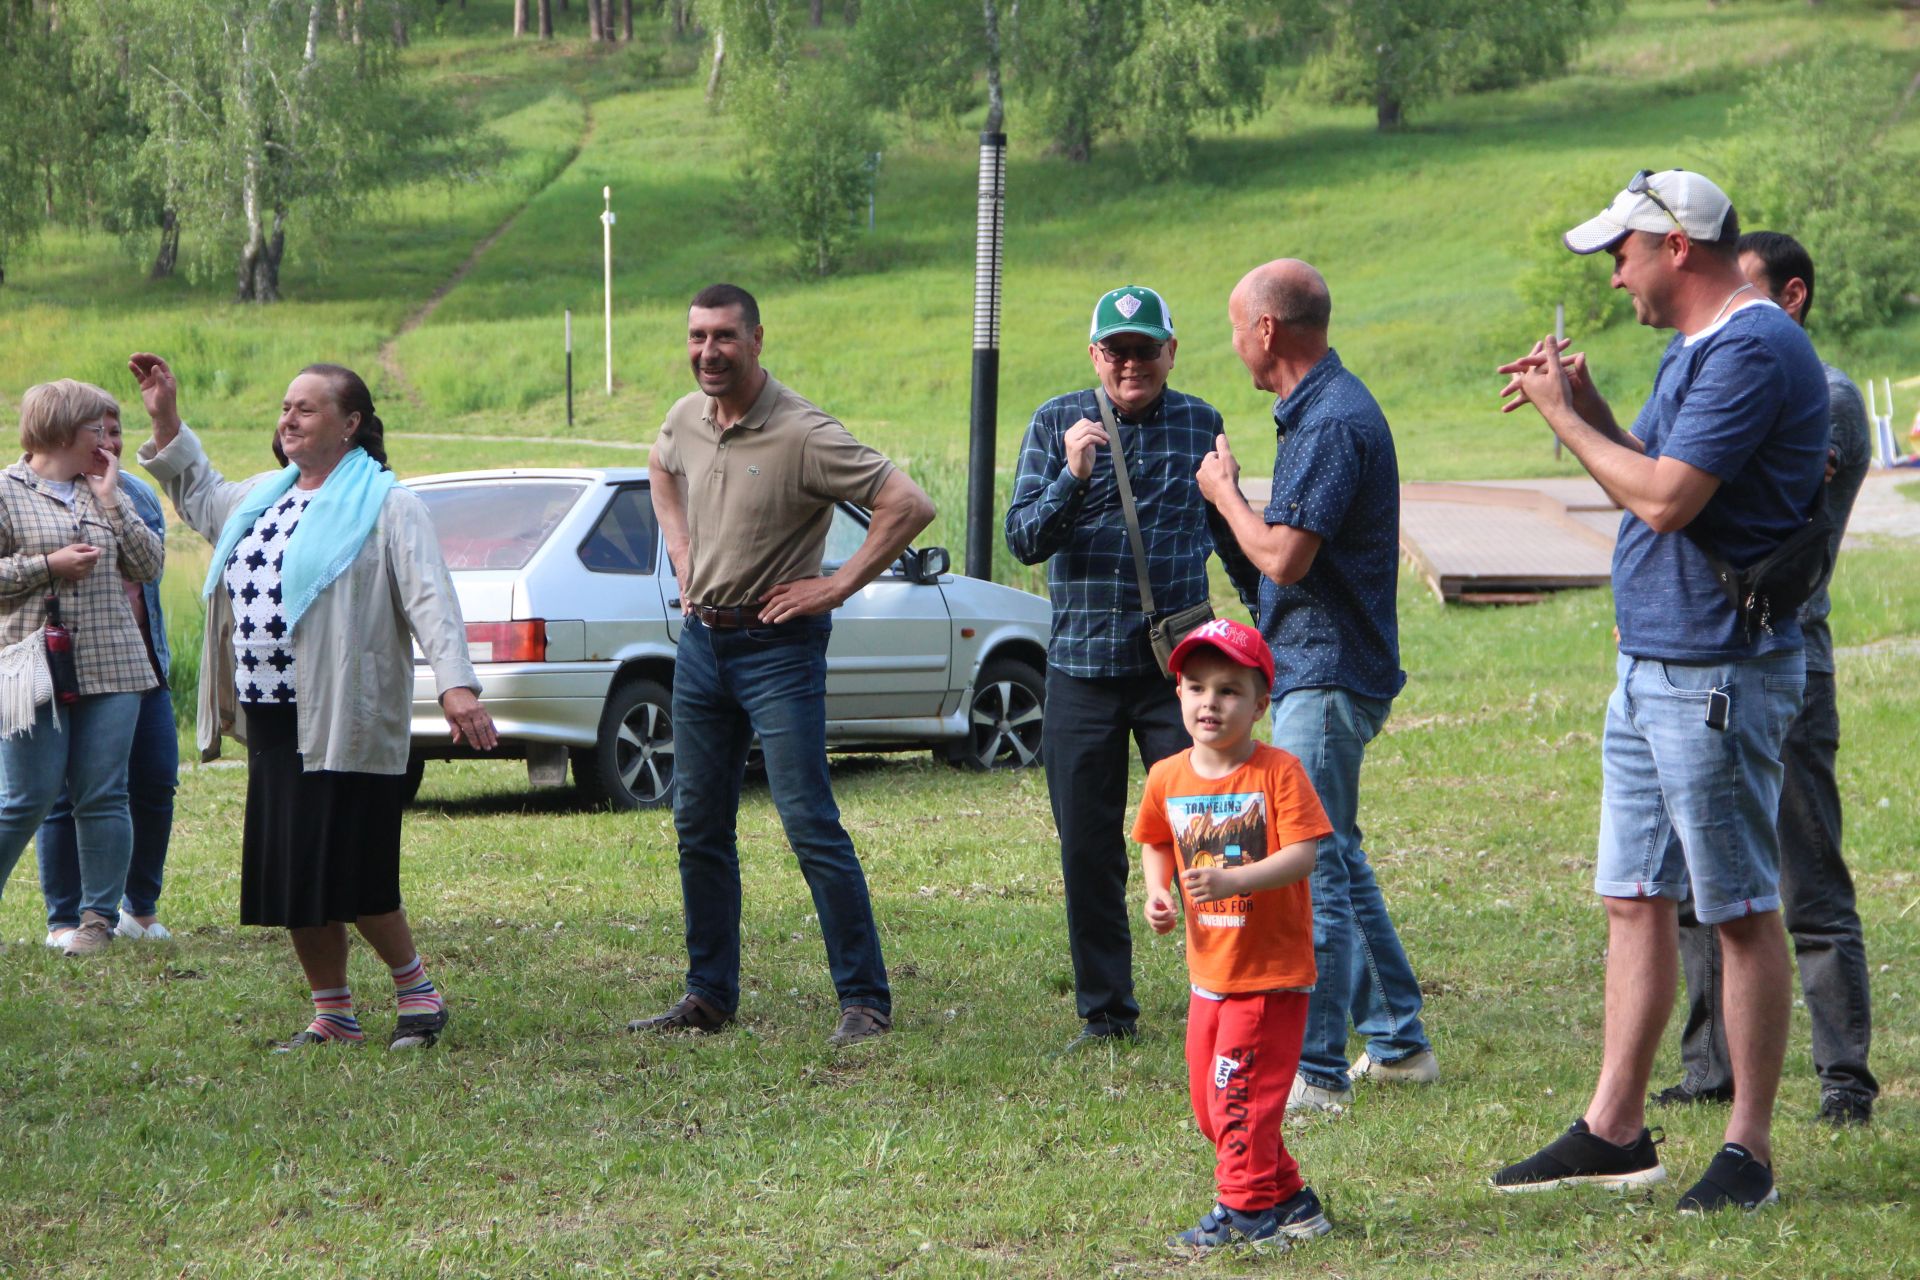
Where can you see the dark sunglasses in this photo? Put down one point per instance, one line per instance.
(1640, 186)
(1144, 352)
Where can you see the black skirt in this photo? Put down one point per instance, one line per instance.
(319, 847)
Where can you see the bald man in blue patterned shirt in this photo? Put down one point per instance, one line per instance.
(1103, 683)
(1327, 551)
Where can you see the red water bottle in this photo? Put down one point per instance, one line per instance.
(66, 682)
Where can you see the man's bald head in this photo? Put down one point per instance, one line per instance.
(1290, 291)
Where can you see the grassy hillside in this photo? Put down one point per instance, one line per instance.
(1422, 235)
(147, 1132)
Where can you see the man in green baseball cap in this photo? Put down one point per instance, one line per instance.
(1103, 683)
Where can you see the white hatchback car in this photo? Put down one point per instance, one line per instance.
(573, 613)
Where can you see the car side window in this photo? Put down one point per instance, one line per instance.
(625, 536)
(844, 537)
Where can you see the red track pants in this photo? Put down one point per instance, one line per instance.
(1241, 1055)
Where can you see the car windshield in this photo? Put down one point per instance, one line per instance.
(498, 524)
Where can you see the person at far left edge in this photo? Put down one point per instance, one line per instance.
(745, 475)
(1103, 682)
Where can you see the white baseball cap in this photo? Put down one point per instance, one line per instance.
(1656, 202)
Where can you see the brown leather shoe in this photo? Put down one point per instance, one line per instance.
(691, 1014)
(859, 1022)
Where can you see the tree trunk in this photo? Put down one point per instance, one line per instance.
(626, 20)
(593, 20)
(519, 18)
(816, 11)
(546, 19)
(852, 11)
(169, 251)
(719, 59)
(679, 19)
(607, 31)
(1386, 109)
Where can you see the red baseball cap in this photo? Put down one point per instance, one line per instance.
(1237, 640)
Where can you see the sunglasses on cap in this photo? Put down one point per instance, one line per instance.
(1641, 185)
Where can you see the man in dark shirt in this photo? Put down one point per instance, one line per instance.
(1725, 460)
(1815, 888)
(1103, 683)
(1327, 554)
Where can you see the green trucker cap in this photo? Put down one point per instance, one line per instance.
(1132, 308)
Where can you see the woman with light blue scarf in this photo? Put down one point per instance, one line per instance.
(324, 575)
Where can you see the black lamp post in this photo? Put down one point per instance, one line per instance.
(987, 264)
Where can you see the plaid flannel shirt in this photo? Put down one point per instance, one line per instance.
(1078, 528)
(109, 653)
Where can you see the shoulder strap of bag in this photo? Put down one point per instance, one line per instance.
(1127, 508)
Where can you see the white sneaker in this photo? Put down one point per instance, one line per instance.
(1415, 1068)
(155, 932)
(1309, 1097)
(57, 938)
(129, 927)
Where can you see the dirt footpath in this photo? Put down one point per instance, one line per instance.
(1881, 511)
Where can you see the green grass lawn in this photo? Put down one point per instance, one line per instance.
(147, 1131)
(150, 1133)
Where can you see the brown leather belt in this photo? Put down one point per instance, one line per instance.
(726, 617)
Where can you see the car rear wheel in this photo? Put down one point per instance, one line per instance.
(631, 766)
(1003, 720)
(410, 780)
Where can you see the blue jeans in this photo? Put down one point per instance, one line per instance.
(729, 685)
(1363, 970)
(153, 774)
(1687, 809)
(82, 748)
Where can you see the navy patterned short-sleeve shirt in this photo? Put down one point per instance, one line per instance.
(262, 640)
(1335, 474)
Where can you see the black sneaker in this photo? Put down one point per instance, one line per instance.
(1841, 1108)
(418, 1030)
(1222, 1227)
(1302, 1217)
(1685, 1095)
(1097, 1035)
(1735, 1180)
(1579, 1159)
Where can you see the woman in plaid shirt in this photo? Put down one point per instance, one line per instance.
(65, 529)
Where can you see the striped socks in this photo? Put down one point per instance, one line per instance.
(333, 1015)
(413, 990)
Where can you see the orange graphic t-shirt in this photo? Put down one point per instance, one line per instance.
(1263, 941)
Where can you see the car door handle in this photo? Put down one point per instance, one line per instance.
(674, 603)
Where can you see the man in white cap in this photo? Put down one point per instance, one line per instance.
(1103, 683)
(1721, 468)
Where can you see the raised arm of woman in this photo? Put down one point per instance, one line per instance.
(174, 457)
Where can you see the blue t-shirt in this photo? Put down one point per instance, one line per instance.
(1335, 474)
(1747, 402)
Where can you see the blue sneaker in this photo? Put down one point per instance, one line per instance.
(1223, 1226)
(1302, 1217)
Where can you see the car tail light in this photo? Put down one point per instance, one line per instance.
(507, 641)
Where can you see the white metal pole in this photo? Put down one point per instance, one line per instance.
(606, 237)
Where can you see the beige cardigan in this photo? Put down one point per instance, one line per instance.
(351, 648)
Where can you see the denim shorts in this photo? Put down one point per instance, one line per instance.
(1688, 809)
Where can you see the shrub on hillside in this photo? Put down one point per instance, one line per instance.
(1554, 275)
(1813, 155)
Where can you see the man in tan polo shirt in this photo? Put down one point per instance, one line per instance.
(745, 476)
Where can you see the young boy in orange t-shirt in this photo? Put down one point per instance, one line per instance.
(1240, 822)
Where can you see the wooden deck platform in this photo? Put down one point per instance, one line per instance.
(1508, 542)
(1500, 541)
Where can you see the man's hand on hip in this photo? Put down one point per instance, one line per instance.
(1219, 473)
(801, 599)
(1083, 438)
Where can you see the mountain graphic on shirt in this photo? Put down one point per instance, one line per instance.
(1215, 831)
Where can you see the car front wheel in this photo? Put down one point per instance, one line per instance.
(631, 766)
(1003, 719)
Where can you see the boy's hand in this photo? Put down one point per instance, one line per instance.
(1162, 912)
(1208, 884)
